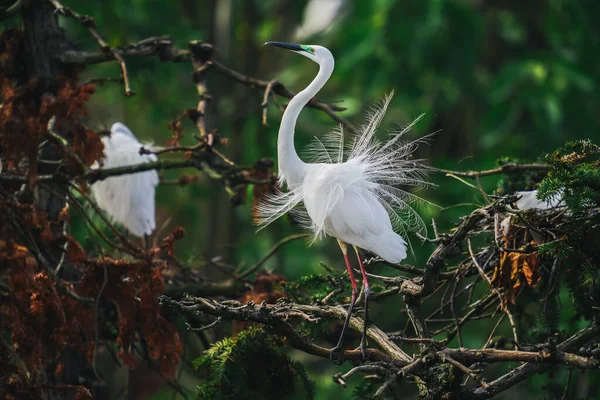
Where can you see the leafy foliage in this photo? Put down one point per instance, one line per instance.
(250, 366)
(575, 176)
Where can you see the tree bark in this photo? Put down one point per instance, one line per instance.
(44, 40)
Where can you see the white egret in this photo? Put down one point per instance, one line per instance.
(352, 197)
(529, 200)
(127, 199)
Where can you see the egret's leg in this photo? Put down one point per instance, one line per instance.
(367, 292)
(147, 244)
(336, 354)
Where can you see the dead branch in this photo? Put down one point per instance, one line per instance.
(90, 24)
(163, 48)
(504, 169)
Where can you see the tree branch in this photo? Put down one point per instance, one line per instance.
(504, 169)
(163, 48)
(277, 315)
(526, 370)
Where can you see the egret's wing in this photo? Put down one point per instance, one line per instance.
(361, 219)
(127, 199)
(323, 188)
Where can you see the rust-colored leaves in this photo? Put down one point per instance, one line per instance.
(518, 268)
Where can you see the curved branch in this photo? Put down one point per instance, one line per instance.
(504, 169)
(263, 260)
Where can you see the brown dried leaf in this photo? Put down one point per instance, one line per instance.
(176, 128)
(75, 253)
(168, 243)
(530, 268)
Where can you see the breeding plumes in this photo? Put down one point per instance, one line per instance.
(127, 199)
(349, 192)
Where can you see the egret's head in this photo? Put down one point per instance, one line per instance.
(315, 53)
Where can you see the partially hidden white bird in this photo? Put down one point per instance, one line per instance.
(127, 199)
(352, 195)
(529, 201)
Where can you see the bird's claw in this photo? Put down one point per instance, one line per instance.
(336, 355)
(363, 350)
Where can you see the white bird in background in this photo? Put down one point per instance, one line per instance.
(319, 15)
(352, 197)
(127, 199)
(529, 200)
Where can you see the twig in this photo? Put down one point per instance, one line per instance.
(400, 338)
(265, 103)
(565, 395)
(216, 322)
(497, 355)
(526, 370)
(201, 55)
(504, 169)
(16, 359)
(90, 24)
(63, 144)
(102, 81)
(271, 252)
(95, 175)
(454, 317)
(129, 248)
(446, 358)
(496, 291)
(41, 259)
(162, 47)
(97, 313)
(364, 369)
(335, 291)
(491, 336)
(173, 149)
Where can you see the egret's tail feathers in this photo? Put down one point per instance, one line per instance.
(390, 246)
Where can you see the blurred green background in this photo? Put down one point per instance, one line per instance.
(505, 78)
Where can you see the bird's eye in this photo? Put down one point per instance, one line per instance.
(312, 50)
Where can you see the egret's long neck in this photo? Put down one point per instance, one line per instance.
(291, 168)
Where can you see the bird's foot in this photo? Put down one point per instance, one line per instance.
(336, 355)
(363, 350)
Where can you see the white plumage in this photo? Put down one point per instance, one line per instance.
(350, 193)
(529, 200)
(127, 199)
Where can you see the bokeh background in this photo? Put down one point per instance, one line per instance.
(496, 79)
